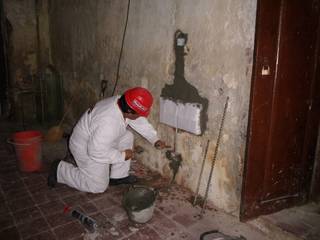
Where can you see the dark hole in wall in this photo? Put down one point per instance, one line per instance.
(181, 90)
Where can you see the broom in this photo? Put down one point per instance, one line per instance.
(55, 133)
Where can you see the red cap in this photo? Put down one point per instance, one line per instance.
(140, 100)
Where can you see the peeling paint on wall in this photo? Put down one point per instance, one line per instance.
(22, 62)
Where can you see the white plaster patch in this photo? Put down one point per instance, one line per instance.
(230, 80)
(184, 116)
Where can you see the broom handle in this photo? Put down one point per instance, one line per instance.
(201, 172)
(69, 107)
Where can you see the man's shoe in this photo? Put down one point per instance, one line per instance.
(52, 177)
(131, 179)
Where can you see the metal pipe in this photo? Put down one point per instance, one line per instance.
(201, 172)
(175, 132)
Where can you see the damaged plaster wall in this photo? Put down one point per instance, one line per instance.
(86, 40)
(28, 53)
(23, 52)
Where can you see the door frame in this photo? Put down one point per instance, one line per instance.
(315, 184)
(250, 206)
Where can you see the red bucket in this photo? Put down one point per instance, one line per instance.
(28, 150)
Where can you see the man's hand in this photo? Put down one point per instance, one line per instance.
(129, 154)
(161, 145)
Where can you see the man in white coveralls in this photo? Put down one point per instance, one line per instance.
(101, 144)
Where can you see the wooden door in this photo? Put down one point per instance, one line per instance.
(284, 108)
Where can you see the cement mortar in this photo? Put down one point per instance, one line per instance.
(139, 204)
(181, 90)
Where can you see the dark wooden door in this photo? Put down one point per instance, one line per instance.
(282, 123)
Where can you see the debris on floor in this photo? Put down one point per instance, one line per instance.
(30, 210)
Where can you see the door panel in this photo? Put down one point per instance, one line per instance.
(282, 90)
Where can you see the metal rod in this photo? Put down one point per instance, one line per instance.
(215, 155)
(280, 198)
(176, 131)
(201, 172)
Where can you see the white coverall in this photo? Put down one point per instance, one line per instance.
(98, 140)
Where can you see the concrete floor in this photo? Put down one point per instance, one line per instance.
(302, 222)
(30, 210)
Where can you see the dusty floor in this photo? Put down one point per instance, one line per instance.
(301, 222)
(30, 210)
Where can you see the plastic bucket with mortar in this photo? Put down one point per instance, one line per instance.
(139, 202)
(28, 150)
